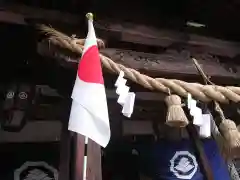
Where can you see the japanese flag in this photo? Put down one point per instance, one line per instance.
(89, 112)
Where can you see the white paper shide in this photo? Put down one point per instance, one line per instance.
(199, 119)
(126, 99)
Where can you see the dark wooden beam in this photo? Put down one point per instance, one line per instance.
(171, 63)
(174, 63)
(136, 127)
(122, 31)
(10, 17)
(148, 106)
(141, 34)
(111, 94)
(52, 133)
(40, 13)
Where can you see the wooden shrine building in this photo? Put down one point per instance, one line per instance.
(155, 38)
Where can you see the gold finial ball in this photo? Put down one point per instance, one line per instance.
(89, 16)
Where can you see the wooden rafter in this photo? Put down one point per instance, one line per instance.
(122, 31)
(142, 34)
(40, 14)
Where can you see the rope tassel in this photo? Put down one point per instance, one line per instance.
(231, 134)
(175, 116)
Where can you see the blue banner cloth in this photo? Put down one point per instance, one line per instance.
(174, 160)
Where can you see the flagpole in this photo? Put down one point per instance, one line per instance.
(89, 18)
(85, 160)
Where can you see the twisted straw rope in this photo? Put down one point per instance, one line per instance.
(201, 92)
(225, 151)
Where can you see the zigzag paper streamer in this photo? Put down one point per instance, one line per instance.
(129, 104)
(126, 99)
(199, 119)
(120, 77)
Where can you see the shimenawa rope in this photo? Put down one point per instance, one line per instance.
(227, 127)
(204, 93)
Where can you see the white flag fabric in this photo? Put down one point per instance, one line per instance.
(89, 113)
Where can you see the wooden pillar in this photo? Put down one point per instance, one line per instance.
(72, 150)
(65, 152)
(94, 168)
(79, 145)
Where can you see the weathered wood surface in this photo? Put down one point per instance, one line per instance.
(94, 167)
(65, 153)
(148, 105)
(110, 93)
(94, 170)
(79, 157)
(142, 34)
(145, 35)
(122, 31)
(173, 62)
(10, 17)
(40, 13)
(33, 132)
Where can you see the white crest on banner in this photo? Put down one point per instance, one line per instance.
(35, 171)
(183, 165)
(37, 174)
